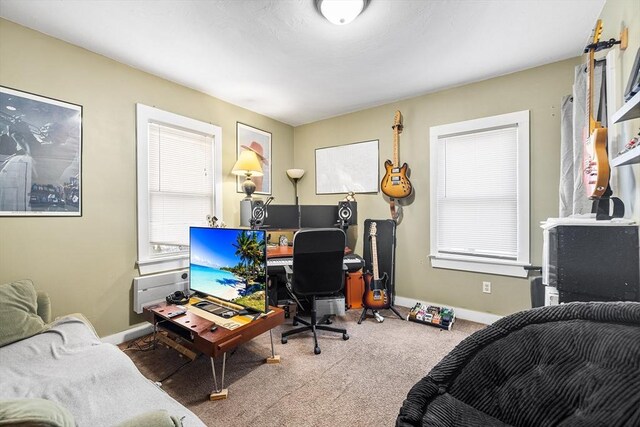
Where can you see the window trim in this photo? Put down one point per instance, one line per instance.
(144, 115)
(469, 263)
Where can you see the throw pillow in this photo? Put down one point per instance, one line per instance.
(159, 418)
(34, 412)
(18, 312)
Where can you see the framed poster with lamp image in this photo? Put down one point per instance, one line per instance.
(257, 141)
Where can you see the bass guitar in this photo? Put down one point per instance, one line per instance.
(375, 294)
(596, 161)
(395, 183)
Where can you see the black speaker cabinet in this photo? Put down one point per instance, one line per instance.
(386, 248)
(595, 263)
(347, 213)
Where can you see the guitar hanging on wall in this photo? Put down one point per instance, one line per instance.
(375, 294)
(596, 162)
(395, 183)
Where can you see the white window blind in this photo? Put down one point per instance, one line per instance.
(477, 193)
(179, 174)
(180, 184)
(480, 194)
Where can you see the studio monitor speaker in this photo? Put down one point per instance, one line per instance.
(252, 213)
(347, 213)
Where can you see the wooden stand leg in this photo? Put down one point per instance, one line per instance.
(273, 358)
(221, 392)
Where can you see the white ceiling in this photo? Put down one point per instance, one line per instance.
(280, 58)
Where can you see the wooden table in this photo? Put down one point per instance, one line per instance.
(195, 325)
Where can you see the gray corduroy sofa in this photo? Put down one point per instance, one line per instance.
(576, 364)
(62, 374)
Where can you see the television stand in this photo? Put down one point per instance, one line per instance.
(195, 328)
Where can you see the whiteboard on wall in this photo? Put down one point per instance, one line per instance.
(345, 168)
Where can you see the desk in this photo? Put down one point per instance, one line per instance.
(195, 328)
(279, 251)
(279, 256)
(287, 251)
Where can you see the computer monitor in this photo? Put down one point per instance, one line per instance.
(318, 216)
(282, 216)
(229, 264)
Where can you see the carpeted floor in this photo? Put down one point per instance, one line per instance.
(358, 382)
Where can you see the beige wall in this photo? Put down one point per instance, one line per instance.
(616, 15)
(87, 264)
(539, 90)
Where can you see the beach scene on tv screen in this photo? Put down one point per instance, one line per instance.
(229, 264)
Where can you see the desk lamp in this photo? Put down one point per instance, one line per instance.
(248, 165)
(295, 175)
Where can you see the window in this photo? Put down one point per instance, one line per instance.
(179, 185)
(480, 195)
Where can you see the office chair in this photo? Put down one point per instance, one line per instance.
(318, 269)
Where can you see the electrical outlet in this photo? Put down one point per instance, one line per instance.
(486, 287)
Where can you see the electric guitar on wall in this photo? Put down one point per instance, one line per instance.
(375, 293)
(395, 183)
(596, 161)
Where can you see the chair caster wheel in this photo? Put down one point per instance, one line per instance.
(316, 350)
(345, 336)
(283, 340)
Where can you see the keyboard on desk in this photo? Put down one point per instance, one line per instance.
(276, 265)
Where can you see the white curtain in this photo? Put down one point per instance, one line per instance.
(574, 130)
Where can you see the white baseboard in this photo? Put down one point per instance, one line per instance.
(461, 313)
(129, 334)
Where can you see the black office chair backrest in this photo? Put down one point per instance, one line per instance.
(318, 257)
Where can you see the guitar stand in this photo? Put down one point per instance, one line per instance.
(364, 313)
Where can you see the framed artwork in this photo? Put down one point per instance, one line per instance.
(40, 155)
(258, 141)
(345, 168)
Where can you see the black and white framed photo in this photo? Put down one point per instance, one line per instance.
(40, 155)
(258, 141)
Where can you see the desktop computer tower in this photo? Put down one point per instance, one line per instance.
(386, 248)
(594, 263)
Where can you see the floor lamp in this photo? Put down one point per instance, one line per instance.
(295, 175)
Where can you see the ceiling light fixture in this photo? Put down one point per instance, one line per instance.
(341, 12)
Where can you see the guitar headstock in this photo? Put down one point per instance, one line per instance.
(397, 122)
(597, 31)
(373, 229)
(595, 37)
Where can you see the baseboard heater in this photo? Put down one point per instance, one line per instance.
(153, 288)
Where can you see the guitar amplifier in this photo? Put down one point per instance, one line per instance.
(595, 263)
(353, 289)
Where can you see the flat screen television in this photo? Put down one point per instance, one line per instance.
(229, 264)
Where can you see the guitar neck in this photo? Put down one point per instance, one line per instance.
(374, 258)
(396, 142)
(593, 123)
(591, 120)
